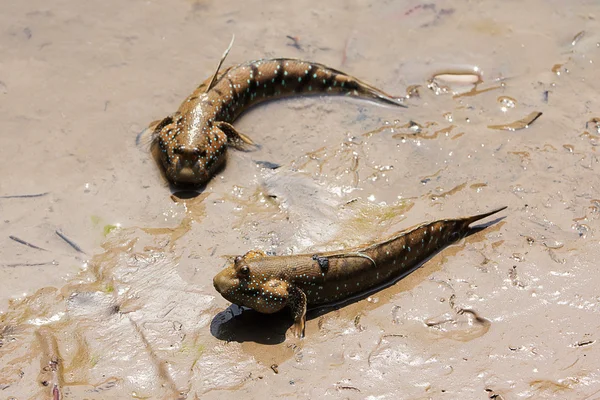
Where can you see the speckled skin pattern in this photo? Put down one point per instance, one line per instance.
(192, 142)
(269, 283)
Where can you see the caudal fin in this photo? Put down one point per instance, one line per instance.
(390, 100)
(357, 87)
(469, 220)
(380, 95)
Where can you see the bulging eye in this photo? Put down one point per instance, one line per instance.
(245, 270)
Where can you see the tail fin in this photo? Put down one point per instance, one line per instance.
(469, 220)
(389, 99)
(380, 95)
(366, 89)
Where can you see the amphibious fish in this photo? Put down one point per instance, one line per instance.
(269, 283)
(191, 144)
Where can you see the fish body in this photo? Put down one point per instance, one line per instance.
(192, 143)
(270, 283)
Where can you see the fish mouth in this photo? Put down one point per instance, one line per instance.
(187, 176)
(192, 172)
(224, 283)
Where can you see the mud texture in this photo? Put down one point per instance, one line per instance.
(106, 278)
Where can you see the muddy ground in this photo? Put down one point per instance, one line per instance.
(121, 303)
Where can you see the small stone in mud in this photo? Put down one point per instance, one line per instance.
(275, 368)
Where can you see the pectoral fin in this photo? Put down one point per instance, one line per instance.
(146, 138)
(297, 303)
(234, 138)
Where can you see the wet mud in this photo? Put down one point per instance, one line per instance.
(106, 271)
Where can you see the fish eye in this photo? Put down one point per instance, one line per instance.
(245, 270)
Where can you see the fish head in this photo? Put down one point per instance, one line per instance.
(245, 283)
(190, 159)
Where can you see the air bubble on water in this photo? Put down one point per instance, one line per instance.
(582, 229)
(506, 103)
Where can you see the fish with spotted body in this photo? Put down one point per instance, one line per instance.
(191, 144)
(268, 284)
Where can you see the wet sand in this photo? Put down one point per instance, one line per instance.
(121, 303)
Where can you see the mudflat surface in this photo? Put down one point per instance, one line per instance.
(122, 304)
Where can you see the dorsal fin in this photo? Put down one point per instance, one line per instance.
(214, 78)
